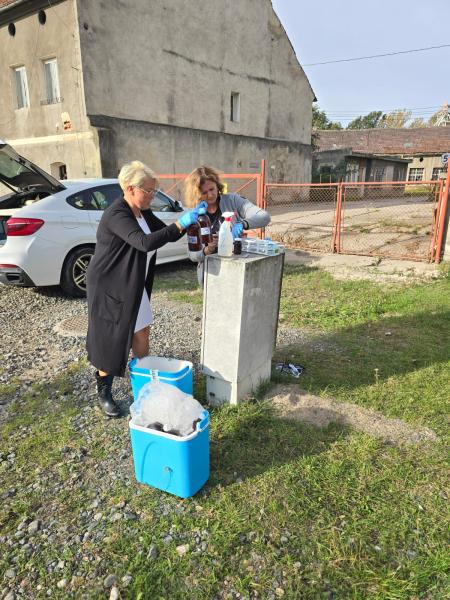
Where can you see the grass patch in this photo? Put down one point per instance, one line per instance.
(290, 510)
(181, 286)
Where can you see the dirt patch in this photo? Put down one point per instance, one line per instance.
(372, 268)
(297, 404)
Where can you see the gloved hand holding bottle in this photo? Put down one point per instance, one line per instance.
(191, 216)
(237, 229)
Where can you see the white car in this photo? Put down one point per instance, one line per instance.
(48, 227)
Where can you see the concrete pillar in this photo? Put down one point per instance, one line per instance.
(240, 316)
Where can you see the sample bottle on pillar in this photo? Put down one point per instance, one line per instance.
(225, 246)
(205, 226)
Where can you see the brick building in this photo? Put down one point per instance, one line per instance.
(422, 147)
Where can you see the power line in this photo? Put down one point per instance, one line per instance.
(362, 110)
(329, 62)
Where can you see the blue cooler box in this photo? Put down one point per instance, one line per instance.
(167, 370)
(178, 465)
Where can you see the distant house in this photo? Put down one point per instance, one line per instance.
(420, 149)
(86, 86)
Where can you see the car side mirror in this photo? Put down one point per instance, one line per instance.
(178, 207)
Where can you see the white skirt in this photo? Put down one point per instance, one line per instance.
(145, 314)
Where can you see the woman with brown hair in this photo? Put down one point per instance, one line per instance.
(204, 184)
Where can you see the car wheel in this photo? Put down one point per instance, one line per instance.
(73, 276)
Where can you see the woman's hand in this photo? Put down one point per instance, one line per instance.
(188, 218)
(212, 246)
(237, 230)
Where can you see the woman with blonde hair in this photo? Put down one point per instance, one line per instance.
(204, 184)
(120, 277)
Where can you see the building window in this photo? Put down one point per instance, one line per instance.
(52, 94)
(378, 174)
(415, 175)
(437, 172)
(235, 107)
(352, 171)
(58, 170)
(20, 75)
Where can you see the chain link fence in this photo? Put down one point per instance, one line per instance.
(388, 219)
(394, 219)
(302, 215)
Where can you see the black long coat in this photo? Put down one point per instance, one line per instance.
(115, 282)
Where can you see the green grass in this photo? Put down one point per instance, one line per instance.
(385, 347)
(289, 509)
(180, 287)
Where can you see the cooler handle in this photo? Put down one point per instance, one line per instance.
(204, 422)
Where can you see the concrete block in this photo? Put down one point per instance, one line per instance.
(240, 317)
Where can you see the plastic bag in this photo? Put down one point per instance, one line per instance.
(166, 408)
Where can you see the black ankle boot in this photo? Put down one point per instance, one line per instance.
(104, 395)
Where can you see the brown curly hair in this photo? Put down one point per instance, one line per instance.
(194, 182)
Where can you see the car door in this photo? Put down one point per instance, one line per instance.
(96, 199)
(169, 210)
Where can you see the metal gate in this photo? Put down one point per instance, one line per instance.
(388, 219)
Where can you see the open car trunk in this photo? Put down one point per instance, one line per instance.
(21, 183)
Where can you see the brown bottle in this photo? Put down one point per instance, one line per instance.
(205, 226)
(194, 237)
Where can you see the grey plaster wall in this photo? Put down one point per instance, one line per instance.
(173, 62)
(169, 149)
(37, 131)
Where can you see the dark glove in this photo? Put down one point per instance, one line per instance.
(236, 230)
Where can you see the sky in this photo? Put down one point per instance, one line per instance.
(335, 29)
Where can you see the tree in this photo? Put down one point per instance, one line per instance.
(369, 121)
(441, 118)
(417, 122)
(396, 119)
(321, 121)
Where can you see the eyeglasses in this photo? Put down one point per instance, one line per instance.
(146, 192)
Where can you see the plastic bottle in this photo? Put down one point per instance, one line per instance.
(225, 246)
(205, 226)
(194, 237)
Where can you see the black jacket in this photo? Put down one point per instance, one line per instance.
(115, 282)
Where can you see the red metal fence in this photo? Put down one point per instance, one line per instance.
(246, 184)
(398, 219)
(387, 219)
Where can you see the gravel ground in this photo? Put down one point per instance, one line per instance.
(32, 352)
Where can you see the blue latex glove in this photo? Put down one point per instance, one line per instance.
(188, 218)
(236, 230)
(202, 204)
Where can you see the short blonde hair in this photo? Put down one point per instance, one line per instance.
(194, 182)
(135, 173)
